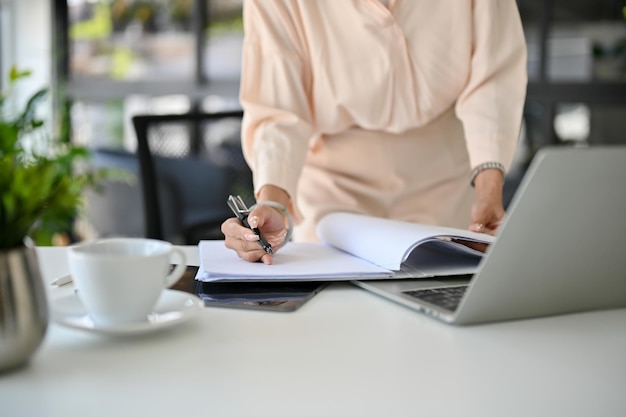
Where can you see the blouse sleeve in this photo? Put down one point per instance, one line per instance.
(492, 101)
(277, 121)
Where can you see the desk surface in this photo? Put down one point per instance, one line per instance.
(345, 353)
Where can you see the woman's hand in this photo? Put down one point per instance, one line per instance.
(270, 222)
(488, 210)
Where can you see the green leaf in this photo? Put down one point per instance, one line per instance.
(15, 74)
(41, 193)
(27, 119)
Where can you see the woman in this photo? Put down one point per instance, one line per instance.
(406, 109)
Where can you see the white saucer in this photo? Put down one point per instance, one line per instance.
(173, 307)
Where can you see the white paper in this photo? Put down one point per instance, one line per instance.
(356, 247)
(385, 242)
(295, 261)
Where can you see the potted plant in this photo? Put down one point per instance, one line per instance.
(40, 194)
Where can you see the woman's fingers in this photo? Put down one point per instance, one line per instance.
(489, 228)
(271, 224)
(244, 242)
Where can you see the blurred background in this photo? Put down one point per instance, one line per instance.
(108, 60)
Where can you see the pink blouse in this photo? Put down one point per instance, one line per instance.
(313, 68)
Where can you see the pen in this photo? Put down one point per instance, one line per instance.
(62, 281)
(242, 211)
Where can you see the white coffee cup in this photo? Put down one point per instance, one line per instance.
(119, 280)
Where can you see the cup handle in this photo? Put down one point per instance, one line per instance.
(173, 277)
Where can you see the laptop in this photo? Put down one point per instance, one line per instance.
(561, 248)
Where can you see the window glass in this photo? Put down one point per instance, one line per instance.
(108, 124)
(224, 38)
(98, 124)
(130, 40)
(587, 39)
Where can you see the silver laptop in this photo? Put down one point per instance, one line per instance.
(561, 249)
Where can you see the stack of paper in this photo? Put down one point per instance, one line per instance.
(357, 247)
(294, 262)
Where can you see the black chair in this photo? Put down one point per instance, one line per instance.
(189, 164)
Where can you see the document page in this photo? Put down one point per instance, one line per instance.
(293, 262)
(355, 247)
(388, 243)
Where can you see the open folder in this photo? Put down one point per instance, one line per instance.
(354, 246)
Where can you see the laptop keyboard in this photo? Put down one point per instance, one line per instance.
(447, 298)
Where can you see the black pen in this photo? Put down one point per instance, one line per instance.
(240, 209)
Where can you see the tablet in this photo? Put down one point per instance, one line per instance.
(269, 296)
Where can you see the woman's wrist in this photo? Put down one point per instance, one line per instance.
(489, 185)
(283, 210)
(488, 179)
(489, 168)
(277, 198)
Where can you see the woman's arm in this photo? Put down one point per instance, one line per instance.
(491, 104)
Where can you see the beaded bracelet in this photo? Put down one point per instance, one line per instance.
(487, 165)
(283, 210)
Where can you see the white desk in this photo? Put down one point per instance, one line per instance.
(346, 353)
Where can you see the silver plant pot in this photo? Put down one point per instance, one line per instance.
(23, 306)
